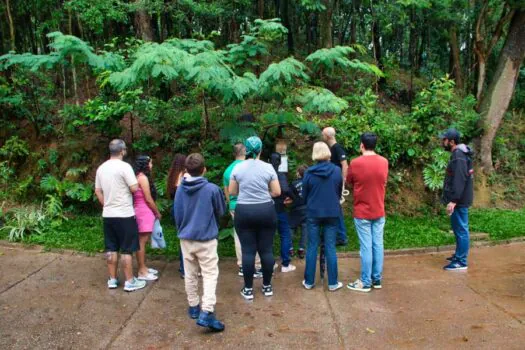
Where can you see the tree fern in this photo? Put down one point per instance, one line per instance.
(287, 72)
(191, 45)
(320, 100)
(152, 60)
(329, 59)
(269, 29)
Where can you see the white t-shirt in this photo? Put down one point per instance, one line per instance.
(115, 177)
(254, 177)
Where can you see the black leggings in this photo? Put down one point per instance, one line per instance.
(255, 225)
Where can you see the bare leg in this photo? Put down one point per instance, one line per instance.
(141, 254)
(127, 266)
(112, 261)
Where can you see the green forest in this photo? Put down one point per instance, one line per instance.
(181, 76)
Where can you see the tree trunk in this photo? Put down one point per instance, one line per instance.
(456, 63)
(11, 25)
(260, 8)
(500, 91)
(325, 23)
(482, 73)
(285, 15)
(143, 26)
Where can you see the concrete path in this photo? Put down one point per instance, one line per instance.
(60, 301)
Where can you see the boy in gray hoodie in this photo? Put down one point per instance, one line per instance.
(197, 208)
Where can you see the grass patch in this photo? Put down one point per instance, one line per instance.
(84, 233)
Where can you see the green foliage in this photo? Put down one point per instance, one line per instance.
(14, 148)
(434, 172)
(288, 72)
(66, 188)
(327, 60)
(152, 60)
(24, 221)
(319, 100)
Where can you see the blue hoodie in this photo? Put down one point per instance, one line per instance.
(197, 208)
(322, 185)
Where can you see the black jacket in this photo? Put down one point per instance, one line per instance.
(458, 185)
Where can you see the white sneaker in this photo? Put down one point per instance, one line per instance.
(338, 286)
(148, 277)
(307, 286)
(153, 271)
(112, 283)
(134, 284)
(288, 268)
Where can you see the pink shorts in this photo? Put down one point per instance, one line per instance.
(145, 219)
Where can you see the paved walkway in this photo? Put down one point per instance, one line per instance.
(60, 301)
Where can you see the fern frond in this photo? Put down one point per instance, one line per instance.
(191, 45)
(320, 100)
(286, 72)
(152, 60)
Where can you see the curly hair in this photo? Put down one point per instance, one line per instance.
(142, 166)
(177, 169)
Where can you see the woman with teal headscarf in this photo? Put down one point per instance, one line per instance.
(255, 182)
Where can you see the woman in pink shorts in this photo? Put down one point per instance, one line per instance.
(146, 212)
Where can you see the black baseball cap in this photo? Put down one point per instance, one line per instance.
(451, 134)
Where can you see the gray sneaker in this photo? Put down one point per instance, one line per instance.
(134, 284)
(112, 283)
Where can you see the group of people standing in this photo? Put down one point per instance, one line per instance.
(256, 196)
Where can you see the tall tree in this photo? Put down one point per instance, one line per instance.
(326, 23)
(456, 62)
(11, 25)
(501, 89)
(143, 26)
(482, 48)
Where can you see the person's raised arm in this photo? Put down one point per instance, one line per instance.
(144, 185)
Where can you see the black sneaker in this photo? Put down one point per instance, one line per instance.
(267, 290)
(258, 273)
(247, 293)
(240, 273)
(455, 266)
(376, 284)
(301, 253)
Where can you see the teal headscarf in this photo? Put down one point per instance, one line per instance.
(253, 147)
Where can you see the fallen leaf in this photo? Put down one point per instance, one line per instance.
(370, 330)
(465, 339)
(299, 109)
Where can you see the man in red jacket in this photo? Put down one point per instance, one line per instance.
(367, 176)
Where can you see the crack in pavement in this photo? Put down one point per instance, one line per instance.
(28, 276)
(499, 307)
(332, 314)
(130, 317)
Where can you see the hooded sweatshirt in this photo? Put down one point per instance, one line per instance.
(322, 185)
(286, 191)
(197, 208)
(458, 184)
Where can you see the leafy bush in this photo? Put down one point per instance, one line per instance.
(24, 221)
(434, 172)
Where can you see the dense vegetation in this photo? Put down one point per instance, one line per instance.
(181, 76)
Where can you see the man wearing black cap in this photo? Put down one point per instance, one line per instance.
(458, 195)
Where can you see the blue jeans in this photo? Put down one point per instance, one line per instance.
(459, 222)
(283, 226)
(329, 227)
(341, 229)
(371, 250)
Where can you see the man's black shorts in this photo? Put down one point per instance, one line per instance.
(121, 235)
